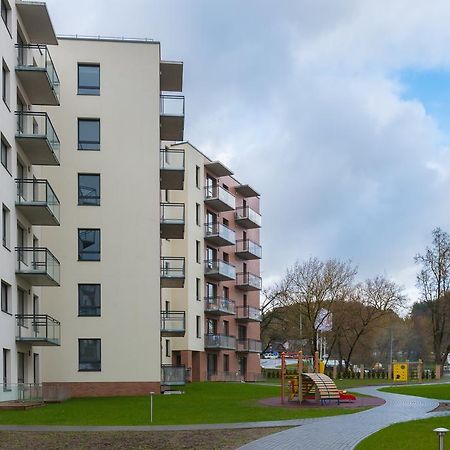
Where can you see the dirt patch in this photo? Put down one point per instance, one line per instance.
(444, 406)
(360, 402)
(165, 440)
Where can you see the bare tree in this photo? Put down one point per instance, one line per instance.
(434, 282)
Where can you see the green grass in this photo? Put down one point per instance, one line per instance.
(202, 403)
(439, 391)
(417, 435)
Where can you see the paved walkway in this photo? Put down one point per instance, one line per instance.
(344, 432)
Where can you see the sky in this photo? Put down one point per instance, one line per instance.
(336, 111)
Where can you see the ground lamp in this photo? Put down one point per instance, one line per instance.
(441, 435)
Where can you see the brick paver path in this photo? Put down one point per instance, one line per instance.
(344, 432)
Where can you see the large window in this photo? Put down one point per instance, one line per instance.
(5, 226)
(89, 298)
(88, 189)
(88, 244)
(5, 297)
(5, 84)
(4, 153)
(88, 134)
(89, 355)
(88, 79)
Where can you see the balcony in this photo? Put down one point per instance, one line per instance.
(37, 201)
(248, 314)
(37, 137)
(219, 270)
(248, 282)
(247, 249)
(36, 21)
(172, 375)
(173, 323)
(171, 117)
(171, 76)
(38, 329)
(220, 341)
(38, 76)
(219, 234)
(171, 169)
(218, 198)
(249, 346)
(37, 266)
(172, 221)
(172, 272)
(247, 217)
(220, 306)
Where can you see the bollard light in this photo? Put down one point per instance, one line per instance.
(440, 432)
(151, 406)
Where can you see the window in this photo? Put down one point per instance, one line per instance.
(88, 134)
(197, 176)
(226, 363)
(226, 328)
(197, 214)
(6, 369)
(88, 189)
(88, 244)
(5, 298)
(89, 355)
(5, 84)
(4, 153)
(198, 330)
(197, 251)
(5, 13)
(5, 226)
(226, 257)
(88, 79)
(168, 347)
(21, 304)
(89, 299)
(197, 289)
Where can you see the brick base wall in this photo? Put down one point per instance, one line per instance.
(104, 389)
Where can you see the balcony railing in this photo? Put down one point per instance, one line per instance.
(173, 323)
(172, 117)
(219, 198)
(249, 345)
(172, 271)
(38, 265)
(248, 281)
(220, 306)
(172, 220)
(248, 314)
(247, 249)
(172, 169)
(38, 138)
(22, 392)
(219, 341)
(37, 201)
(173, 375)
(219, 234)
(219, 270)
(247, 217)
(38, 329)
(37, 73)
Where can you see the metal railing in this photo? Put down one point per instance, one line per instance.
(36, 192)
(245, 212)
(37, 57)
(173, 321)
(23, 392)
(38, 327)
(172, 105)
(219, 267)
(249, 345)
(246, 245)
(220, 230)
(249, 312)
(171, 159)
(173, 375)
(220, 304)
(248, 279)
(219, 193)
(172, 213)
(172, 267)
(37, 125)
(220, 341)
(37, 261)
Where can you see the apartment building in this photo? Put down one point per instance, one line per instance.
(29, 143)
(156, 276)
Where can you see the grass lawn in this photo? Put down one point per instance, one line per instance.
(439, 391)
(202, 403)
(417, 435)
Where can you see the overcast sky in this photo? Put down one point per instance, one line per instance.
(338, 112)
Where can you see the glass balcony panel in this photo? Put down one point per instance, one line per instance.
(248, 217)
(173, 323)
(219, 198)
(39, 265)
(173, 375)
(220, 305)
(172, 105)
(248, 249)
(218, 341)
(172, 271)
(38, 329)
(220, 234)
(220, 270)
(248, 281)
